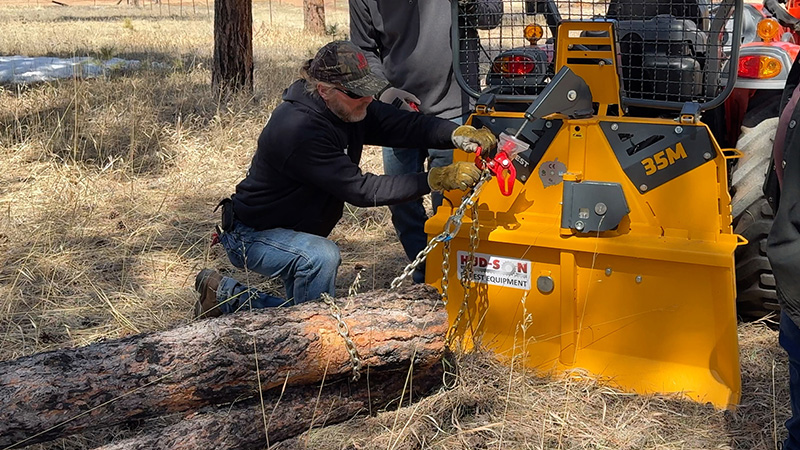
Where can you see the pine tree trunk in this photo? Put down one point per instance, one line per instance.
(216, 361)
(314, 16)
(233, 45)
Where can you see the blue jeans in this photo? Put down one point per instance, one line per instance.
(306, 263)
(409, 218)
(790, 340)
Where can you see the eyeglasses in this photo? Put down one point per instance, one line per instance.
(350, 94)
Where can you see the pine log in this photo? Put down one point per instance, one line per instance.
(286, 415)
(58, 393)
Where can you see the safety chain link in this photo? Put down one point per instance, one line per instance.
(445, 271)
(344, 331)
(356, 281)
(451, 228)
(466, 275)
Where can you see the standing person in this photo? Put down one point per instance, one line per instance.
(783, 243)
(408, 43)
(306, 167)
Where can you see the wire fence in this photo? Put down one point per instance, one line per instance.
(170, 7)
(667, 50)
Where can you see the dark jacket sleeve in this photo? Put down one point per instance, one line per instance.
(390, 127)
(320, 162)
(783, 242)
(362, 34)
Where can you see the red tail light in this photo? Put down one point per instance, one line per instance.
(514, 65)
(756, 66)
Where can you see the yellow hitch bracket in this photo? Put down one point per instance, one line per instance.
(741, 240)
(732, 153)
(481, 109)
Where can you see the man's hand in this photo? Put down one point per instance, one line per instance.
(400, 99)
(459, 175)
(469, 139)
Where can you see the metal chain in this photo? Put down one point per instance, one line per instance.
(344, 331)
(445, 271)
(451, 228)
(466, 275)
(356, 282)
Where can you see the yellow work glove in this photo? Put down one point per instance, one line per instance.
(459, 175)
(468, 138)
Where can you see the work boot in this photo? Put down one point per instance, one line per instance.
(206, 283)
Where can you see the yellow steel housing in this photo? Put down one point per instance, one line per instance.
(648, 307)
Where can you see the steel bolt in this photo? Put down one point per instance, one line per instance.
(608, 271)
(545, 284)
(579, 225)
(678, 129)
(638, 278)
(783, 164)
(548, 124)
(707, 155)
(600, 208)
(614, 127)
(792, 123)
(572, 95)
(643, 187)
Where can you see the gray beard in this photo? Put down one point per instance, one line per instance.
(347, 116)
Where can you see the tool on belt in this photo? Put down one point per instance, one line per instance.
(226, 219)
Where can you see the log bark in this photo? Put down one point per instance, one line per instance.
(285, 415)
(54, 394)
(233, 45)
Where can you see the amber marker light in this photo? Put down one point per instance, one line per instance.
(533, 33)
(768, 29)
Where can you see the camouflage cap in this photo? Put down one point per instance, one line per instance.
(342, 63)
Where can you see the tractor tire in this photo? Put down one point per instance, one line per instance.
(762, 106)
(752, 219)
(749, 171)
(755, 284)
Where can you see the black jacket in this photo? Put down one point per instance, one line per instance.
(783, 243)
(306, 163)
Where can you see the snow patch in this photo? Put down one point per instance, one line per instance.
(25, 69)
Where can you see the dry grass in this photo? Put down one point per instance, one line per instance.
(106, 192)
(497, 407)
(107, 185)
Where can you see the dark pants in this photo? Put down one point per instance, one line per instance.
(790, 341)
(409, 218)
